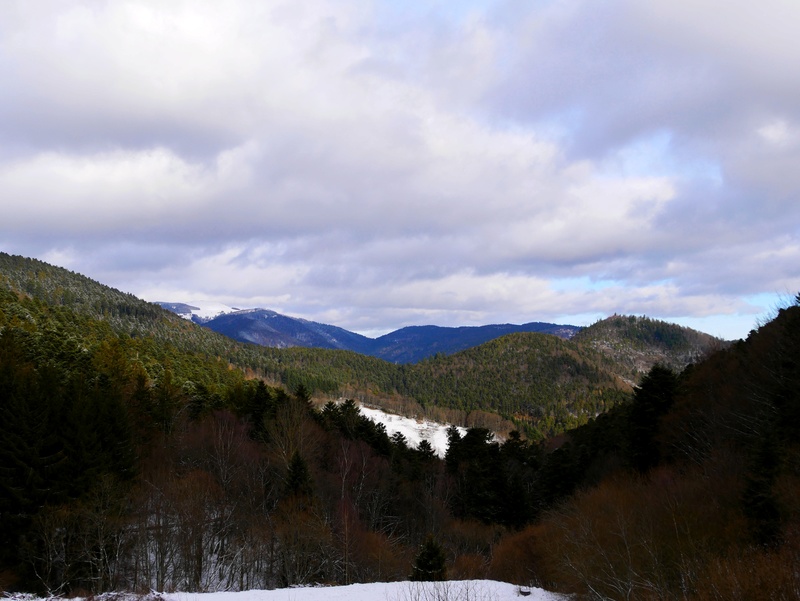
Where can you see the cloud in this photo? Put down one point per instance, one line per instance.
(379, 166)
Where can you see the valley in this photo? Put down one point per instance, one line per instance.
(206, 463)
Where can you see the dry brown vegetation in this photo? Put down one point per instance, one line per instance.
(717, 518)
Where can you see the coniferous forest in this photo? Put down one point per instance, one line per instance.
(139, 452)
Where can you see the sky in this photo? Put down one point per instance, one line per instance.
(373, 164)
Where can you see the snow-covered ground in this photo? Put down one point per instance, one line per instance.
(415, 430)
(453, 590)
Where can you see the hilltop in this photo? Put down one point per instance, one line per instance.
(637, 343)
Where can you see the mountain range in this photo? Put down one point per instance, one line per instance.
(406, 345)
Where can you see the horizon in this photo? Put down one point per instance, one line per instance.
(202, 305)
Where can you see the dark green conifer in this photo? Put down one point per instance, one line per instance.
(426, 450)
(430, 564)
(298, 478)
(652, 400)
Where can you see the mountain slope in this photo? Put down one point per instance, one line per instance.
(698, 475)
(635, 344)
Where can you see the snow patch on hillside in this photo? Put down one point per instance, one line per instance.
(415, 430)
(206, 310)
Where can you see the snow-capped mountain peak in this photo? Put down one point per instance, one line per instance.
(198, 311)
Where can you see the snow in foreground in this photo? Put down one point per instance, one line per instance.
(453, 590)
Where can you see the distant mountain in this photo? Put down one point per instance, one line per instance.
(635, 343)
(414, 343)
(268, 328)
(406, 345)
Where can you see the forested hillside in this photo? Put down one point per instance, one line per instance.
(129, 463)
(545, 384)
(133, 457)
(635, 344)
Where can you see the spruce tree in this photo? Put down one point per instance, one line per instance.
(651, 401)
(298, 478)
(426, 450)
(430, 563)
